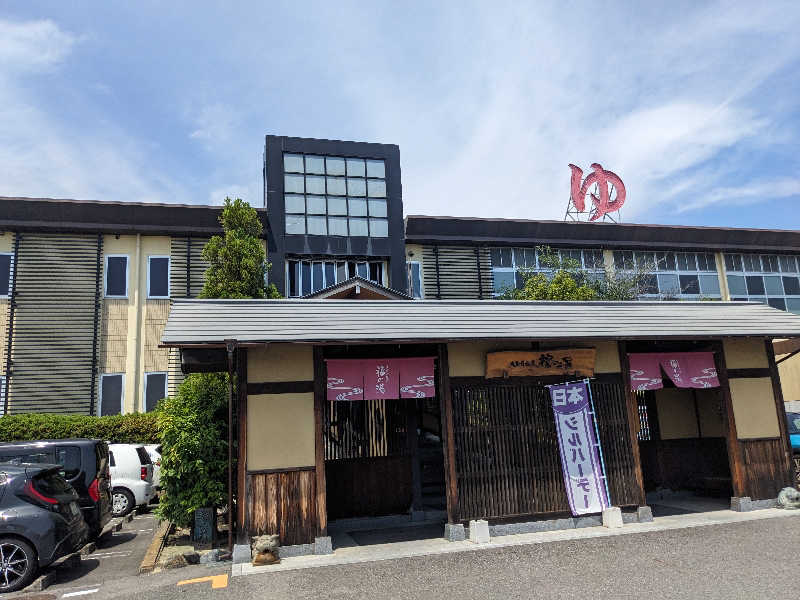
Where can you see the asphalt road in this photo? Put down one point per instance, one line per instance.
(755, 559)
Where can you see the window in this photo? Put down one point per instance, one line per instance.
(507, 264)
(415, 279)
(331, 188)
(2, 393)
(6, 272)
(116, 276)
(307, 276)
(158, 276)
(155, 388)
(770, 278)
(69, 457)
(112, 392)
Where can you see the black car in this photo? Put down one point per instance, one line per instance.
(40, 521)
(85, 466)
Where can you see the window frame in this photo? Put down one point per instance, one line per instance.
(409, 265)
(100, 393)
(10, 273)
(145, 377)
(515, 269)
(169, 283)
(127, 275)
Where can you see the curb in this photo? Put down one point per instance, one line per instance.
(150, 559)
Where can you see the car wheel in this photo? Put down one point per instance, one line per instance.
(18, 564)
(122, 502)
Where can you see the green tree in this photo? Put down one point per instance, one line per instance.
(194, 457)
(565, 279)
(237, 260)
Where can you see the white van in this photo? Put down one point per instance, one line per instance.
(131, 477)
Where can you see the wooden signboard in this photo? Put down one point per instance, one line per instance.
(574, 362)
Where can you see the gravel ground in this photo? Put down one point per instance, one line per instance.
(743, 560)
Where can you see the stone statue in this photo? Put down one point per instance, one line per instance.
(789, 498)
(266, 549)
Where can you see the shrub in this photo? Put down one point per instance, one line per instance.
(194, 459)
(134, 428)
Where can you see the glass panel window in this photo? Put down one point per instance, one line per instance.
(293, 163)
(337, 226)
(315, 164)
(668, 285)
(788, 264)
(376, 272)
(158, 277)
(791, 286)
(689, 284)
(295, 224)
(777, 303)
(709, 285)
(317, 281)
(356, 187)
(5, 274)
(358, 227)
(377, 208)
(686, 261)
(793, 305)
(315, 205)
(379, 228)
(415, 279)
(737, 285)
(155, 389)
(294, 278)
(503, 280)
(334, 165)
(112, 387)
(317, 225)
(357, 207)
(295, 203)
(520, 260)
(733, 262)
(530, 257)
(376, 188)
(769, 263)
(336, 186)
(501, 257)
(116, 284)
(362, 270)
(649, 284)
(773, 285)
(751, 262)
(293, 184)
(706, 262)
(755, 285)
(645, 260)
(330, 272)
(376, 168)
(305, 272)
(315, 185)
(665, 261)
(623, 259)
(341, 271)
(337, 206)
(355, 167)
(593, 259)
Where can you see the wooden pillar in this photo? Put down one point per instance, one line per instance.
(633, 419)
(780, 407)
(448, 433)
(319, 447)
(412, 441)
(734, 447)
(242, 521)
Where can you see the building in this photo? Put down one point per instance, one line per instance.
(85, 287)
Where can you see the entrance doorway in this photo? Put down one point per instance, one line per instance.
(683, 450)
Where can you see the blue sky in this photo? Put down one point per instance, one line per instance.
(695, 105)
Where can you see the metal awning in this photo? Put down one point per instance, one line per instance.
(211, 322)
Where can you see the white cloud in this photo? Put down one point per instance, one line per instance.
(215, 124)
(32, 45)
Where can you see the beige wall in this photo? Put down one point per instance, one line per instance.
(789, 371)
(280, 362)
(468, 359)
(745, 353)
(280, 431)
(6, 242)
(676, 416)
(754, 408)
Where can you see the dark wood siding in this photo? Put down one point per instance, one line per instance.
(283, 503)
(457, 275)
(178, 275)
(507, 456)
(765, 470)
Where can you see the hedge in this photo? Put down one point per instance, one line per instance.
(134, 428)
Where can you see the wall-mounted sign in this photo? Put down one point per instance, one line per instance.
(575, 362)
(604, 188)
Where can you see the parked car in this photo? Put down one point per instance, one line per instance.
(84, 464)
(154, 450)
(794, 435)
(40, 521)
(131, 478)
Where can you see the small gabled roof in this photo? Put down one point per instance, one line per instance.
(353, 289)
(211, 322)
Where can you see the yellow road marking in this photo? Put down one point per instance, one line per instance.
(217, 581)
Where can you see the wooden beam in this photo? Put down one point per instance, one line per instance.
(319, 448)
(749, 373)
(448, 433)
(780, 407)
(735, 458)
(280, 387)
(412, 445)
(242, 522)
(633, 419)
